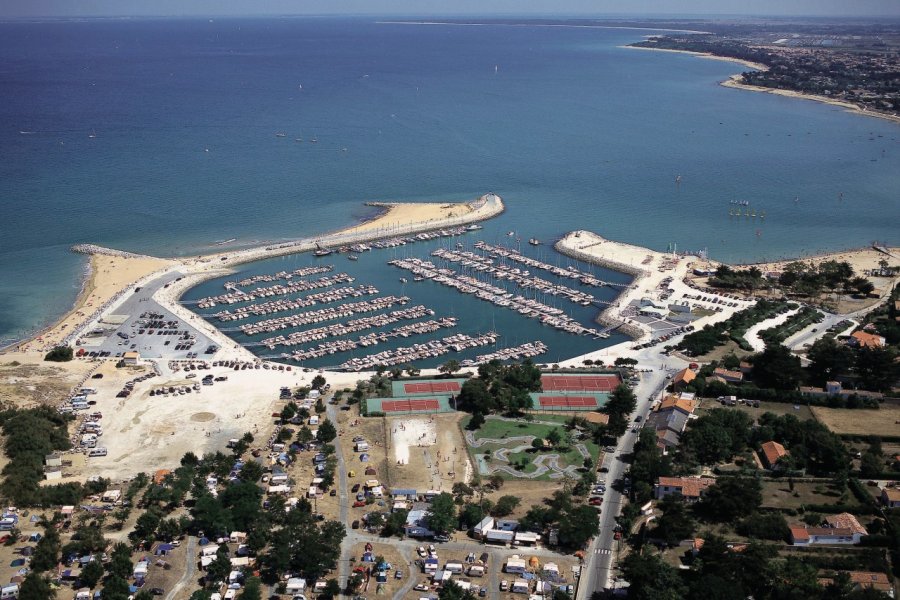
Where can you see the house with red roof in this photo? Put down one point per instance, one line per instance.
(771, 453)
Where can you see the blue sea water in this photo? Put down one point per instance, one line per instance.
(571, 129)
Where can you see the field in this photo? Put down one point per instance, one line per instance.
(847, 421)
(28, 381)
(800, 411)
(778, 494)
(503, 446)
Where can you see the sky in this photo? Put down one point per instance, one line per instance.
(670, 8)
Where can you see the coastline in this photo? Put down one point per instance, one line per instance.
(746, 63)
(733, 81)
(112, 272)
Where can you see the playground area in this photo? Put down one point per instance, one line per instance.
(426, 453)
(506, 447)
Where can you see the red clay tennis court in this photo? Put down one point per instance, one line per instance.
(410, 405)
(431, 387)
(567, 401)
(579, 383)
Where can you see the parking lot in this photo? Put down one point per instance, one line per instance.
(142, 325)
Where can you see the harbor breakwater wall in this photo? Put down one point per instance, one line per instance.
(608, 317)
(94, 249)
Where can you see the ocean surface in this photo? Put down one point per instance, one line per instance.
(572, 130)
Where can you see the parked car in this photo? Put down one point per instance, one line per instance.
(504, 585)
(398, 574)
(421, 588)
(358, 504)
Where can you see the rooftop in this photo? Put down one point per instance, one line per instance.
(773, 452)
(847, 521)
(691, 487)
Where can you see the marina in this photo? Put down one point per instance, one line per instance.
(527, 307)
(235, 295)
(339, 329)
(372, 339)
(324, 314)
(281, 275)
(411, 354)
(282, 305)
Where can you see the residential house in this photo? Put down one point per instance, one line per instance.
(861, 580)
(671, 417)
(890, 497)
(683, 378)
(728, 376)
(864, 339)
(842, 529)
(771, 453)
(691, 489)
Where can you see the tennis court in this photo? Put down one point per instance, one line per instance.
(568, 402)
(580, 383)
(426, 387)
(394, 406)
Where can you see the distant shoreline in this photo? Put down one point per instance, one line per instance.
(733, 81)
(558, 25)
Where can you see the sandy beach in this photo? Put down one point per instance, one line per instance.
(107, 276)
(110, 274)
(735, 82)
(753, 65)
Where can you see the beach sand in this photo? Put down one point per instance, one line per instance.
(735, 82)
(753, 65)
(108, 275)
(405, 214)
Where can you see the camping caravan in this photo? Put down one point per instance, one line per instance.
(514, 564)
(9, 591)
(454, 567)
(499, 536)
(484, 526)
(362, 446)
(476, 571)
(520, 586)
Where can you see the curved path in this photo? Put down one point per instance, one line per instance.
(752, 334)
(544, 463)
(190, 566)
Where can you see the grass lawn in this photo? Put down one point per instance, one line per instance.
(501, 429)
(777, 494)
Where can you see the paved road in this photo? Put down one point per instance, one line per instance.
(600, 560)
(190, 562)
(343, 499)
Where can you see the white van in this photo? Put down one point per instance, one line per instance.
(89, 440)
(9, 591)
(97, 452)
